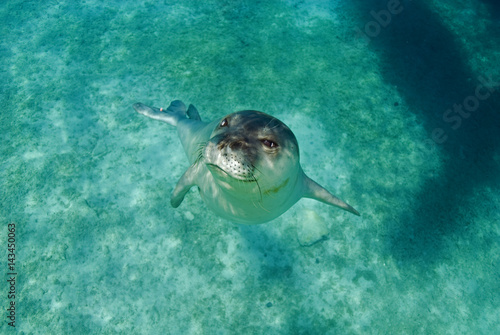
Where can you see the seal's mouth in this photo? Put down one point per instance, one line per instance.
(221, 173)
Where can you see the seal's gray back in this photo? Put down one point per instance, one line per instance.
(193, 134)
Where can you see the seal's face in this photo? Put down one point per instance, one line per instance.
(252, 147)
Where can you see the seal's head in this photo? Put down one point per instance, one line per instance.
(253, 147)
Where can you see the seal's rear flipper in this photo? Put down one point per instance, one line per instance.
(192, 113)
(314, 191)
(175, 112)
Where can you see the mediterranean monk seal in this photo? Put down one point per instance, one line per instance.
(246, 164)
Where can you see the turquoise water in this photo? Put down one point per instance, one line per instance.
(370, 97)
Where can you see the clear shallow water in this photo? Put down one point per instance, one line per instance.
(87, 180)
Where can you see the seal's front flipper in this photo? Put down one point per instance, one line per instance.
(175, 112)
(314, 191)
(183, 186)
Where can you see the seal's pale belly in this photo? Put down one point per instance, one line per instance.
(245, 203)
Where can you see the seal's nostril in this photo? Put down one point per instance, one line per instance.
(240, 144)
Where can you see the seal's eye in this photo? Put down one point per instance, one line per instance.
(224, 123)
(269, 143)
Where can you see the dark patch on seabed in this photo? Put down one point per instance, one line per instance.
(494, 7)
(422, 58)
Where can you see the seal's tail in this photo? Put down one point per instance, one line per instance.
(175, 112)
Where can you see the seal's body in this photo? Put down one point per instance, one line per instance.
(246, 165)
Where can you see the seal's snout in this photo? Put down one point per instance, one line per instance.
(238, 145)
(233, 143)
